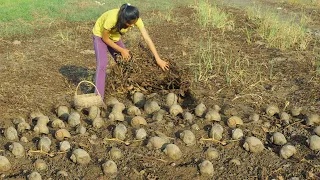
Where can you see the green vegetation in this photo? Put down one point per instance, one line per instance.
(318, 64)
(280, 33)
(215, 63)
(209, 15)
(24, 16)
(208, 62)
(308, 3)
(249, 32)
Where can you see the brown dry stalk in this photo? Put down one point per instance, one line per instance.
(151, 158)
(247, 95)
(83, 145)
(117, 140)
(121, 141)
(266, 129)
(286, 105)
(52, 154)
(162, 135)
(308, 162)
(293, 124)
(42, 152)
(279, 169)
(217, 141)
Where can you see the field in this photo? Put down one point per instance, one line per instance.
(242, 56)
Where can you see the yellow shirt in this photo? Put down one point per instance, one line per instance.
(107, 21)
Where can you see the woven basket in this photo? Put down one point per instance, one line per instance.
(87, 100)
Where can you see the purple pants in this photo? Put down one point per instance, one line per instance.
(101, 49)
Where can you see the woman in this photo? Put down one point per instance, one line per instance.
(107, 37)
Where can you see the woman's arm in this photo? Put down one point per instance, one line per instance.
(163, 64)
(124, 52)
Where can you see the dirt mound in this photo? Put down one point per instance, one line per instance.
(142, 74)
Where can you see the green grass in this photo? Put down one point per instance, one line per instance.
(249, 31)
(24, 16)
(208, 61)
(209, 15)
(307, 3)
(74, 10)
(279, 32)
(214, 62)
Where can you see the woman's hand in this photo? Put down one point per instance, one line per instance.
(125, 53)
(163, 64)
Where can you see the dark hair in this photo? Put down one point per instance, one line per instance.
(127, 14)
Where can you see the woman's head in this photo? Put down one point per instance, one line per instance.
(127, 16)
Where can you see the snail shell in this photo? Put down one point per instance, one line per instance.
(175, 110)
(234, 121)
(61, 134)
(138, 120)
(272, 110)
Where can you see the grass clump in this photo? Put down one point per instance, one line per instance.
(318, 65)
(231, 67)
(209, 15)
(280, 32)
(306, 3)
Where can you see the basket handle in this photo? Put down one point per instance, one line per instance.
(76, 92)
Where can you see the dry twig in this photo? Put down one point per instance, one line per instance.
(52, 154)
(252, 95)
(293, 124)
(308, 162)
(286, 105)
(266, 129)
(117, 140)
(127, 143)
(277, 170)
(151, 158)
(217, 141)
